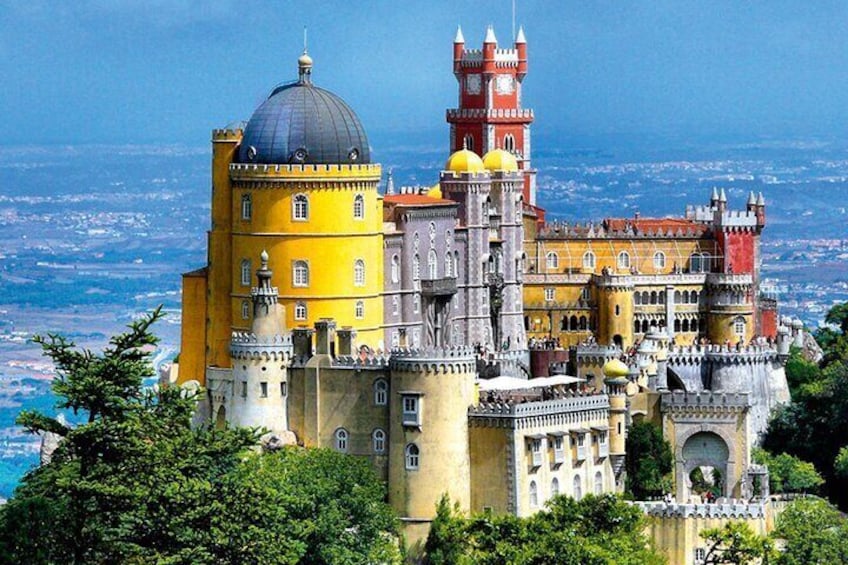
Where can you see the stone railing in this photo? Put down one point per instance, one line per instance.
(438, 287)
(730, 279)
(737, 509)
(248, 345)
(571, 402)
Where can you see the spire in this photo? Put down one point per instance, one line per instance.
(722, 197)
(761, 201)
(390, 184)
(490, 35)
(459, 38)
(520, 37)
(752, 200)
(714, 197)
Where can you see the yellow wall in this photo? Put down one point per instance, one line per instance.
(489, 468)
(193, 328)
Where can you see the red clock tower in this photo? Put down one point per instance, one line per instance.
(490, 115)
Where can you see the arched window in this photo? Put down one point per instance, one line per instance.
(395, 268)
(449, 265)
(645, 326)
(705, 263)
(693, 297)
(359, 310)
(637, 298)
(636, 327)
(509, 143)
(534, 495)
(395, 305)
(245, 309)
(416, 303)
(623, 260)
(359, 272)
(739, 326)
(653, 297)
(659, 260)
(583, 323)
(617, 310)
(678, 297)
(552, 260)
(599, 483)
(300, 275)
(358, 207)
(684, 325)
(555, 487)
(432, 264)
(677, 326)
(416, 267)
(246, 207)
(381, 392)
(661, 297)
(245, 272)
(341, 437)
(468, 142)
(486, 206)
(300, 207)
(646, 298)
(577, 488)
(412, 456)
(300, 311)
(572, 323)
(589, 260)
(378, 441)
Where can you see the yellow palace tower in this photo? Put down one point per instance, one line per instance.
(295, 181)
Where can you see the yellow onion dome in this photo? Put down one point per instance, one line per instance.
(615, 368)
(500, 160)
(465, 161)
(435, 191)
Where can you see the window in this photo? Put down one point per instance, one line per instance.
(412, 454)
(623, 260)
(245, 309)
(416, 303)
(284, 386)
(263, 390)
(244, 389)
(395, 339)
(739, 327)
(551, 260)
(468, 142)
(411, 413)
(381, 392)
(536, 452)
(378, 441)
(559, 450)
(659, 260)
(359, 272)
(246, 207)
(300, 311)
(534, 495)
(700, 555)
(549, 294)
(555, 487)
(416, 267)
(432, 264)
(300, 275)
(599, 483)
(577, 491)
(245, 272)
(395, 305)
(358, 207)
(341, 437)
(617, 310)
(585, 294)
(359, 310)
(395, 268)
(300, 207)
(589, 260)
(448, 265)
(509, 143)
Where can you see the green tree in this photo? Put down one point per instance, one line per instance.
(838, 316)
(135, 482)
(648, 462)
(787, 473)
(736, 544)
(813, 532)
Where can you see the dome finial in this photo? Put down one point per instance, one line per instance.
(304, 63)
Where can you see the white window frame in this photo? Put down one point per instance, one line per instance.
(341, 439)
(359, 310)
(412, 457)
(659, 260)
(300, 311)
(416, 267)
(378, 441)
(300, 273)
(599, 483)
(395, 268)
(554, 487)
(432, 264)
(622, 261)
(410, 409)
(246, 270)
(589, 260)
(739, 326)
(551, 260)
(300, 207)
(395, 305)
(359, 272)
(381, 392)
(245, 309)
(533, 495)
(246, 207)
(550, 294)
(358, 207)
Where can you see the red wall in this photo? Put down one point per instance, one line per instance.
(738, 251)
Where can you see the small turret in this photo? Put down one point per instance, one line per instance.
(390, 184)
(714, 198)
(752, 201)
(521, 47)
(722, 201)
(490, 44)
(615, 379)
(458, 48)
(760, 210)
(304, 68)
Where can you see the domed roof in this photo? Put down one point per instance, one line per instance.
(500, 160)
(465, 161)
(300, 123)
(615, 368)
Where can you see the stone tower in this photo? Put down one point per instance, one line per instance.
(490, 115)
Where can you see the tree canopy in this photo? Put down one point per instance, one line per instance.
(135, 482)
(787, 473)
(648, 462)
(736, 544)
(813, 531)
(596, 530)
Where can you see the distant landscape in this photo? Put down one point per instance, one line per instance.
(91, 236)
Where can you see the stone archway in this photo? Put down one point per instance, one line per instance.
(704, 449)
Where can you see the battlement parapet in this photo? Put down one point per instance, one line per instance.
(595, 354)
(571, 402)
(255, 171)
(591, 230)
(722, 354)
(704, 214)
(227, 134)
(373, 361)
(679, 401)
(730, 279)
(459, 114)
(735, 509)
(738, 219)
(245, 345)
(460, 359)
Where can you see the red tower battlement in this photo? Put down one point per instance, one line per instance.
(490, 115)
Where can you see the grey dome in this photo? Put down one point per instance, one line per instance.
(301, 123)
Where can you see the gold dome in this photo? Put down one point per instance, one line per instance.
(304, 60)
(500, 160)
(435, 191)
(465, 161)
(615, 368)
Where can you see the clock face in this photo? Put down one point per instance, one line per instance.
(472, 84)
(504, 84)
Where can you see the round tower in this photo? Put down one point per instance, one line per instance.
(731, 314)
(615, 309)
(260, 362)
(428, 439)
(615, 379)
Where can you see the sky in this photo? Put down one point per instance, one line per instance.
(169, 71)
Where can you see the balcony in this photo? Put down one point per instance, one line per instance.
(438, 287)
